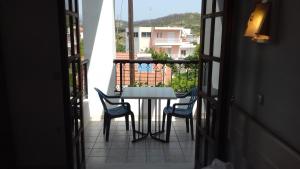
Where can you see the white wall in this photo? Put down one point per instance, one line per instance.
(136, 40)
(144, 42)
(98, 22)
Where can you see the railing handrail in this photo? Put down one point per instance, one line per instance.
(167, 40)
(84, 64)
(168, 74)
(156, 61)
(85, 61)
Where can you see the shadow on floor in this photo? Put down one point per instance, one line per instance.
(120, 151)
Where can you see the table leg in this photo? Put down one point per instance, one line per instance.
(144, 135)
(149, 116)
(152, 135)
(156, 133)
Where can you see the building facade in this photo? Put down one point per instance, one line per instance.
(177, 42)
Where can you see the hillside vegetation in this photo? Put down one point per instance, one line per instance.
(187, 20)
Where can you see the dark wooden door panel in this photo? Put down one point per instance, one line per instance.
(73, 82)
(211, 81)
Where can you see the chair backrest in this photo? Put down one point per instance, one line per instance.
(194, 95)
(102, 97)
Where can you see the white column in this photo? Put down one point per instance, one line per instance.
(99, 39)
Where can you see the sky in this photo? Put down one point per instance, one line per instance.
(80, 9)
(151, 9)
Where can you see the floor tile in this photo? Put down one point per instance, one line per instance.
(120, 150)
(173, 152)
(92, 133)
(156, 159)
(137, 145)
(187, 145)
(88, 145)
(95, 162)
(155, 153)
(90, 139)
(117, 159)
(87, 151)
(189, 158)
(137, 153)
(117, 152)
(136, 159)
(171, 145)
(174, 159)
(99, 152)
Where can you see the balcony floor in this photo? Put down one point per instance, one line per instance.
(120, 152)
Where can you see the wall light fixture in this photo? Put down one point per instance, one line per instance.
(257, 27)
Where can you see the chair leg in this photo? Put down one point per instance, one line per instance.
(163, 122)
(104, 123)
(187, 124)
(133, 126)
(127, 122)
(169, 120)
(192, 128)
(107, 128)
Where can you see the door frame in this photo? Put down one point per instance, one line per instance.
(221, 104)
(74, 132)
(211, 132)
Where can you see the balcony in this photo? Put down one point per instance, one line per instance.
(181, 75)
(167, 41)
(119, 151)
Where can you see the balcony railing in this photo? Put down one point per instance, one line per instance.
(84, 78)
(181, 75)
(167, 40)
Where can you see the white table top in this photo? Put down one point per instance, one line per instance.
(148, 93)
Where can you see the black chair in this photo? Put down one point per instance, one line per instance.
(175, 111)
(116, 112)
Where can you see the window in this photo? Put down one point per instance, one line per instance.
(146, 34)
(135, 34)
(183, 52)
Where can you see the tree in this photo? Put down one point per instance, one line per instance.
(120, 47)
(81, 49)
(157, 55)
(183, 82)
(184, 79)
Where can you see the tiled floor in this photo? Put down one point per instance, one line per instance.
(121, 151)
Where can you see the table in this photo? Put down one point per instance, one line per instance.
(148, 93)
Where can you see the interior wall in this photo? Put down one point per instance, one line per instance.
(30, 49)
(268, 70)
(7, 152)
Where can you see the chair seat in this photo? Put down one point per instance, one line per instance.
(117, 111)
(178, 111)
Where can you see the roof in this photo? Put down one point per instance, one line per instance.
(168, 28)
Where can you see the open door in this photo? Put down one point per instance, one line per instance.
(73, 92)
(211, 116)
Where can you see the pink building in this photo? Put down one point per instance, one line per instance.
(175, 41)
(167, 39)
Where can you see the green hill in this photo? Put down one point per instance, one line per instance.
(187, 20)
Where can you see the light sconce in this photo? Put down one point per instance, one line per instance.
(257, 27)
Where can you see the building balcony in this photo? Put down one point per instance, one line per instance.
(167, 41)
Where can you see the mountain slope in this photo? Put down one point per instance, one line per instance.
(187, 20)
